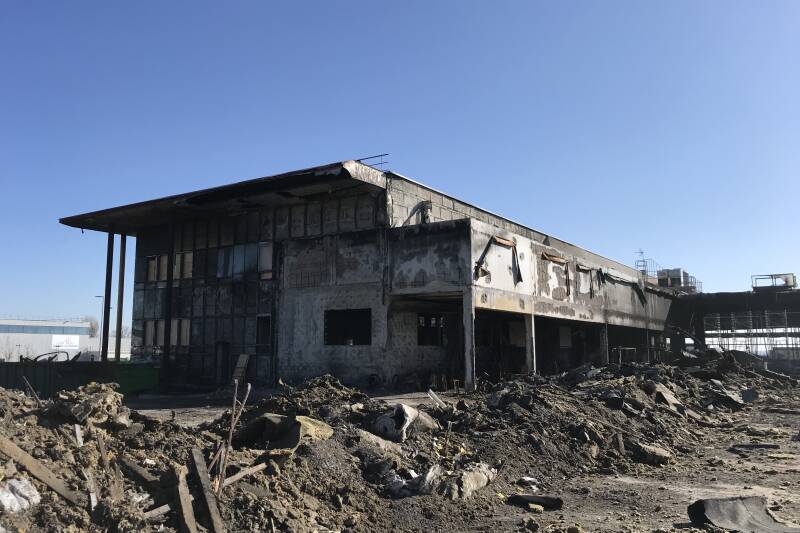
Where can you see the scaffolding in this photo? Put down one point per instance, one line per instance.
(773, 334)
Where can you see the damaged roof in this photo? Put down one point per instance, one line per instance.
(253, 193)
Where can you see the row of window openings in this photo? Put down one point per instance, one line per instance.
(353, 327)
(231, 260)
(247, 228)
(154, 331)
(343, 327)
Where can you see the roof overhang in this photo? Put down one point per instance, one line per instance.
(281, 189)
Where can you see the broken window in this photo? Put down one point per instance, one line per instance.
(430, 330)
(265, 259)
(153, 333)
(162, 267)
(152, 268)
(225, 262)
(157, 267)
(149, 332)
(264, 331)
(250, 258)
(348, 327)
(186, 265)
(182, 268)
(179, 334)
(159, 333)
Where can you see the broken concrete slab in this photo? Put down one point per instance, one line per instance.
(738, 513)
(281, 433)
(547, 502)
(651, 454)
(17, 495)
(402, 422)
(464, 484)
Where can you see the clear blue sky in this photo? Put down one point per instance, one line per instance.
(667, 126)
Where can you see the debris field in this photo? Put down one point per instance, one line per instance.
(617, 448)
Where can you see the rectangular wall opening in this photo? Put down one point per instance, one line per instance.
(348, 327)
(499, 344)
(562, 345)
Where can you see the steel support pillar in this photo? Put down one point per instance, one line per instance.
(120, 294)
(468, 307)
(107, 297)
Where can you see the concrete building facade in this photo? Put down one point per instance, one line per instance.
(370, 276)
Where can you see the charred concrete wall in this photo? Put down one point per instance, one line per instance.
(430, 258)
(270, 281)
(205, 289)
(570, 282)
(506, 278)
(366, 270)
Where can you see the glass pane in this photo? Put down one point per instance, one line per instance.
(188, 261)
(152, 268)
(173, 333)
(162, 267)
(265, 257)
(159, 332)
(238, 259)
(185, 325)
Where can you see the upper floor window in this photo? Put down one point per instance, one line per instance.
(182, 268)
(157, 267)
(265, 259)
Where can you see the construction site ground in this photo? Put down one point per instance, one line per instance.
(616, 448)
(649, 499)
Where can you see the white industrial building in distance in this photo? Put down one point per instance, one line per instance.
(28, 338)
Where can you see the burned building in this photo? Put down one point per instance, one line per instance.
(368, 275)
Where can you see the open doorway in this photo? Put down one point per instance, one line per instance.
(499, 344)
(562, 345)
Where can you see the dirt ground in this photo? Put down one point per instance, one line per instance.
(656, 498)
(625, 447)
(645, 499)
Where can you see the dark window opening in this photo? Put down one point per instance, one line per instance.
(157, 268)
(224, 262)
(264, 331)
(265, 260)
(348, 327)
(430, 330)
(182, 265)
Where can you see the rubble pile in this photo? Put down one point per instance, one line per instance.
(322, 456)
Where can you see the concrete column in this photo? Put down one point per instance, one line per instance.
(530, 344)
(120, 295)
(468, 307)
(677, 343)
(700, 328)
(605, 357)
(107, 297)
